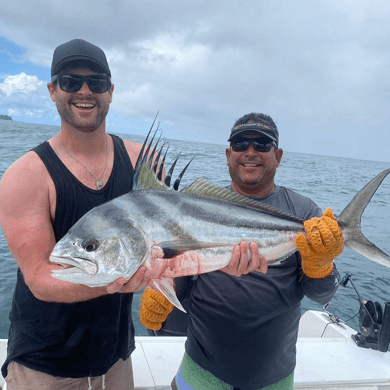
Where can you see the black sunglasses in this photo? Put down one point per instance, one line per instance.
(74, 82)
(242, 144)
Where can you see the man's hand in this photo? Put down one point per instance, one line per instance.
(154, 309)
(241, 264)
(137, 282)
(324, 243)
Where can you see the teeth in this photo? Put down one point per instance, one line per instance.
(250, 165)
(85, 105)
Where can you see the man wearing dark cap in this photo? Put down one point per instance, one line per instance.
(242, 332)
(64, 335)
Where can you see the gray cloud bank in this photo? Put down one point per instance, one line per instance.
(319, 68)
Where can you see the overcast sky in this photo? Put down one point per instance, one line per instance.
(321, 69)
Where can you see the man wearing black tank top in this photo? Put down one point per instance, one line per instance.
(64, 335)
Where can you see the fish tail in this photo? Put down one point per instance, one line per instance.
(350, 223)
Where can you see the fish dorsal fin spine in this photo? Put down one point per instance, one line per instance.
(148, 171)
(203, 188)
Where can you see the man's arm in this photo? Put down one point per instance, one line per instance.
(321, 290)
(26, 201)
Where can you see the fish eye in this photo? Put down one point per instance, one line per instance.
(90, 246)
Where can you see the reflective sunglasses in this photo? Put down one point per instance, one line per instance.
(242, 144)
(74, 82)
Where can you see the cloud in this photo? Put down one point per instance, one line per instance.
(320, 69)
(20, 84)
(25, 96)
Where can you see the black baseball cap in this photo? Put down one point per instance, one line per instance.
(78, 49)
(258, 125)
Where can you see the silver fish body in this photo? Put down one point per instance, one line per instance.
(114, 239)
(186, 233)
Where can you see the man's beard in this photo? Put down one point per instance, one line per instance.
(86, 126)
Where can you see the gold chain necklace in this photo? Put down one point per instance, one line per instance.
(99, 183)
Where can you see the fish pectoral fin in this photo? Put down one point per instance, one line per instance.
(165, 286)
(178, 247)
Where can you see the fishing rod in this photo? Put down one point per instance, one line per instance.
(374, 323)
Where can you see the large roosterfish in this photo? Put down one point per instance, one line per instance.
(188, 232)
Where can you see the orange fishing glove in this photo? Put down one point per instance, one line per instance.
(324, 243)
(154, 309)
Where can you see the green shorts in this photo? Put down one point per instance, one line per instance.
(193, 377)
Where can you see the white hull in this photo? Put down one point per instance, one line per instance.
(327, 358)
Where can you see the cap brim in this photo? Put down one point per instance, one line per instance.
(240, 132)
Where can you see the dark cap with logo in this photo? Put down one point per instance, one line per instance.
(78, 49)
(256, 124)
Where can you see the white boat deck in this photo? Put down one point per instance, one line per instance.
(327, 358)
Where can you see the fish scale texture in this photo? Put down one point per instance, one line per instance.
(323, 244)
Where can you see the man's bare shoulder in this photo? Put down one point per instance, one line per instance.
(26, 168)
(27, 175)
(133, 150)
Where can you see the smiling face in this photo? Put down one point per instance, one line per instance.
(83, 110)
(253, 172)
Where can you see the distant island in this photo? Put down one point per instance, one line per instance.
(5, 117)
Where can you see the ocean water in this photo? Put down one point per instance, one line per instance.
(329, 181)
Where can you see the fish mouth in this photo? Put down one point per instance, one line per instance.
(73, 265)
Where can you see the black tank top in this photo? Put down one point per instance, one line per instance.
(80, 339)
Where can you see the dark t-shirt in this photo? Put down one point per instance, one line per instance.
(244, 330)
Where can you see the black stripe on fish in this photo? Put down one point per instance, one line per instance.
(189, 207)
(178, 247)
(153, 210)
